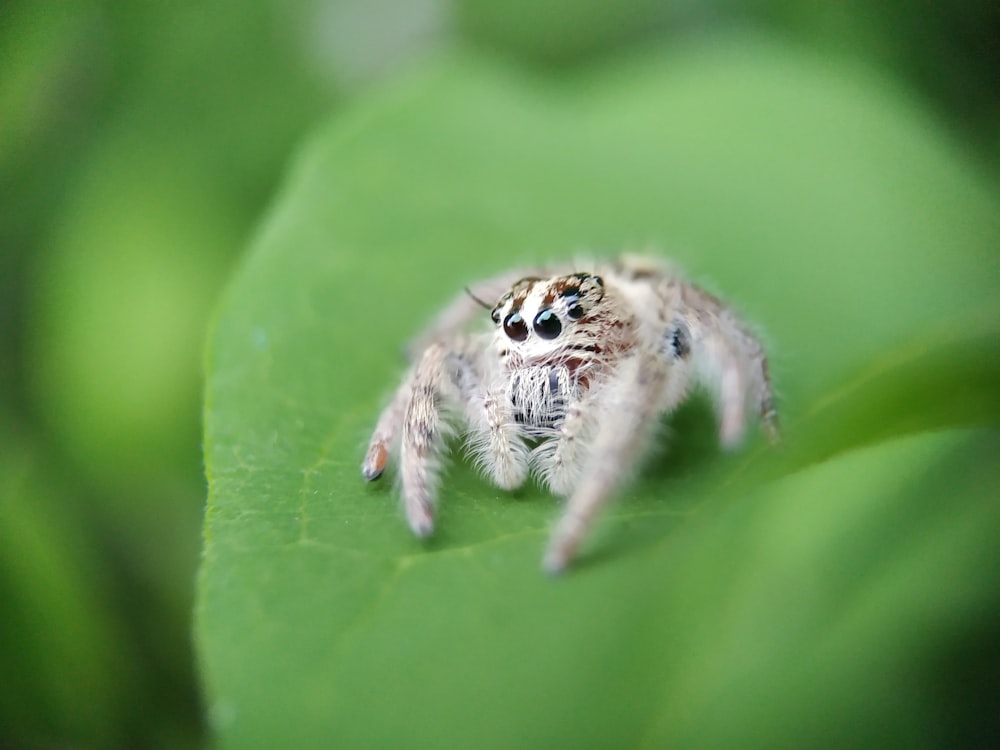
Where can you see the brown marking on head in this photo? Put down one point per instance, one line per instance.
(521, 289)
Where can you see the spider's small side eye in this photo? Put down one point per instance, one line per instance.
(547, 324)
(680, 340)
(575, 311)
(495, 315)
(515, 327)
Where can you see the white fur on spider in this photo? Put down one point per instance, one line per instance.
(569, 386)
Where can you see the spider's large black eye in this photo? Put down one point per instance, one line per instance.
(547, 324)
(515, 327)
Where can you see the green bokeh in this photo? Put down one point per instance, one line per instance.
(140, 143)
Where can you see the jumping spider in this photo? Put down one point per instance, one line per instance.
(569, 385)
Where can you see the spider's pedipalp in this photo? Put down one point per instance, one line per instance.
(386, 434)
(497, 445)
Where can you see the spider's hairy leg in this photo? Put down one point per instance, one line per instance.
(736, 362)
(731, 362)
(626, 423)
(439, 380)
(766, 409)
(723, 369)
(387, 431)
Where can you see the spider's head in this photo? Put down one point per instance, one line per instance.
(541, 317)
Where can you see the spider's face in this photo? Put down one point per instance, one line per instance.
(541, 317)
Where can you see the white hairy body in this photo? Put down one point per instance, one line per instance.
(569, 385)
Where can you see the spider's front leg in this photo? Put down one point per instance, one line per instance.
(421, 409)
(446, 382)
(443, 379)
(629, 410)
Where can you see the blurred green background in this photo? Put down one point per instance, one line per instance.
(139, 144)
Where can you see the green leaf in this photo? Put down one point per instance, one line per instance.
(774, 597)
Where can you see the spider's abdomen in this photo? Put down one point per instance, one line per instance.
(541, 394)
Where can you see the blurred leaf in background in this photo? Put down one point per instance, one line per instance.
(61, 640)
(806, 598)
(946, 51)
(138, 143)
